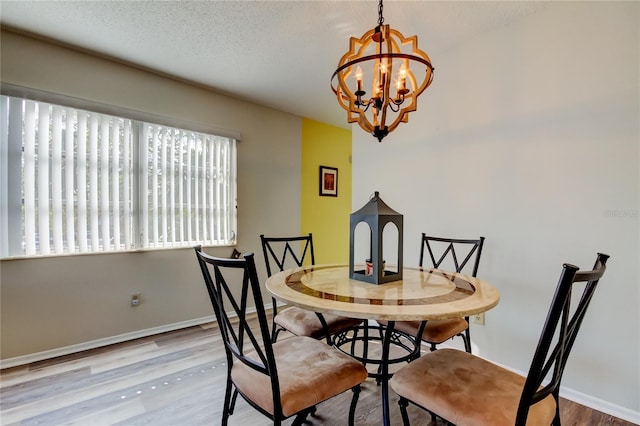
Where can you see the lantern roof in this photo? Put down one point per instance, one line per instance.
(376, 207)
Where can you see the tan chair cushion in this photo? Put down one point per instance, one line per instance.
(302, 322)
(468, 390)
(309, 372)
(436, 331)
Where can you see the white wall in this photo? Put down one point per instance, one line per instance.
(58, 302)
(529, 136)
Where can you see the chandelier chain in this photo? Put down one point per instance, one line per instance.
(380, 17)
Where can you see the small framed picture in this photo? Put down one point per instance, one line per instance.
(328, 181)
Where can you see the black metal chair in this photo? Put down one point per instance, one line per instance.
(291, 252)
(282, 379)
(465, 389)
(456, 254)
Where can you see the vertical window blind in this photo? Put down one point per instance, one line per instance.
(187, 177)
(75, 181)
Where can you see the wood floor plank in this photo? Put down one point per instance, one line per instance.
(162, 388)
(96, 360)
(16, 395)
(108, 415)
(96, 385)
(177, 378)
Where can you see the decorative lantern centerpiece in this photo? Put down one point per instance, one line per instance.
(376, 214)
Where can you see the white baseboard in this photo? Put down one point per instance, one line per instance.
(39, 356)
(601, 405)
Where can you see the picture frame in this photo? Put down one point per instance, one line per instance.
(328, 181)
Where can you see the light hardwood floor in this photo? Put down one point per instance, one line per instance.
(175, 378)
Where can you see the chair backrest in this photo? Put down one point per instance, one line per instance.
(223, 277)
(287, 252)
(560, 330)
(456, 253)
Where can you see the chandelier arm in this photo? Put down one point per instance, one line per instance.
(391, 55)
(392, 104)
(369, 103)
(365, 104)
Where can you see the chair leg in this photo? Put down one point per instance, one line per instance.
(233, 401)
(379, 373)
(403, 402)
(365, 342)
(301, 417)
(354, 402)
(556, 419)
(227, 408)
(467, 340)
(274, 334)
(353, 341)
(417, 351)
(325, 328)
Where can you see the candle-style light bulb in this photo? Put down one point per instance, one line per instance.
(359, 78)
(401, 84)
(383, 79)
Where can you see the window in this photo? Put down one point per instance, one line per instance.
(76, 181)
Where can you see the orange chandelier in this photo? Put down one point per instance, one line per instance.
(371, 62)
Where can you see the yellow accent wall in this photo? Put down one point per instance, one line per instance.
(326, 217)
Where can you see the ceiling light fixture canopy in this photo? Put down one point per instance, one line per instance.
(380, 52)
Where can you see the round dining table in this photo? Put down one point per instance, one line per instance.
(423, 294)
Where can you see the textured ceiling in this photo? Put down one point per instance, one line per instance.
(276, 53)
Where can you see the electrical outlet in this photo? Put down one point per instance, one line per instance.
(479, 318)
(135, 299)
